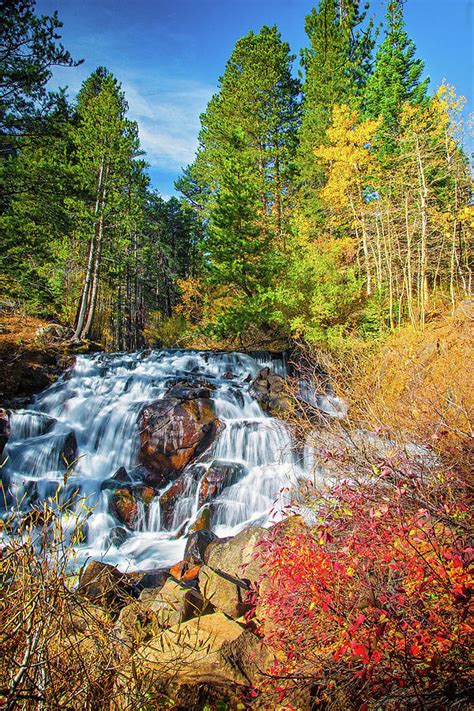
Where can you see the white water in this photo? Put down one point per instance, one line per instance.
(99, 402)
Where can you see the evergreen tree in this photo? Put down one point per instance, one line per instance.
(397, 73)
(336, 66)
(244, 167)
(28, 50)
(106, 143)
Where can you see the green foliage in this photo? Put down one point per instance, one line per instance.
(336, 66)
(29, 48)
(397, 73)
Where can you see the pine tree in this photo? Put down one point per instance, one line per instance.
(397, 73)
(336, 66)
(106, 142)
(241, 181)
(28, 50)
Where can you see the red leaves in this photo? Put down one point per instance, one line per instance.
(377, 590)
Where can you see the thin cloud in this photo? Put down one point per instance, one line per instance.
(167, 113)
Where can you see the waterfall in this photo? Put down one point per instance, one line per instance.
(80, 431)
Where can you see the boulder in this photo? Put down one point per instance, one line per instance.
(205, 660)
(168, 500)
(184, 390)
(104, 585)
(128, 502)
(174, 432)
(68, 453)
(197, 544)
(236, 556)
(124, 506)
(271, 391)
(185, 571)
(4, 429)
(53, 333)
(218, 477)
(28, 423)
(224, 592)
(117, 536)
(174, 603)
(203, 518)
(136, 625)
(121, 475)
(154, 579)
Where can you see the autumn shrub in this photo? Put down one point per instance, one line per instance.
(56, 647)
(417, 386)
(370, 606)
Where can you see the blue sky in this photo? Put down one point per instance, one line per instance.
(169, 54)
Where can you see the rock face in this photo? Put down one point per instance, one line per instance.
(128, 502)
(176, 430)
(4, 429)
(197, 544)
(224, 592)
(219, 476)
(236, 556)
(104, 585)
(174, 603)
(271, 392)
(206, 659)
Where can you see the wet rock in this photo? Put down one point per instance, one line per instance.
(104, 585)
(154, 579)
(228, 375)
(271, 392)
(32, 424)
(218, 477)
(117, 536)
(128, 502)
(173, 433)
(197, 544)
(148, 476)
(181, 487)
(224, 592)
(236, 556)
(4, 429)
(124, 505)
(190, 391)
(203, 518)
(69, 449)
(121, 475)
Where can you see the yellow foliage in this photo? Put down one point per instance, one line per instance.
(349, 156)
(418, 386)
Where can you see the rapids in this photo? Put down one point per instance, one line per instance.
(91, 413)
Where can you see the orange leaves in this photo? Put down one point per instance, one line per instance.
(381, 588)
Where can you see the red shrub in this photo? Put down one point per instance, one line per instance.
(372, 604)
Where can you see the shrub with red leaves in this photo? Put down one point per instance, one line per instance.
(372, 605)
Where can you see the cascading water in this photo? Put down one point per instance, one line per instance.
(89, 417)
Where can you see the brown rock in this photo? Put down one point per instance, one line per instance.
(224, 592)
(196, 545)
(236, 556)
(173, 433)
(136, 625)
(104, 585)
(206, 659)
(184, 570)
(173, 603)
(219, 476)
(271, 391)
(123, 504)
